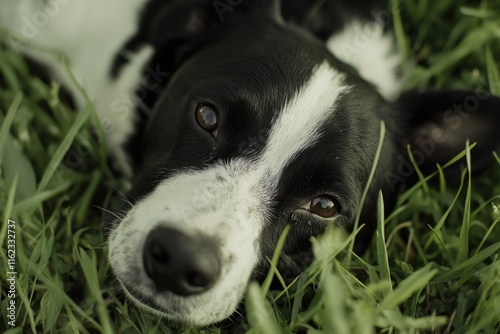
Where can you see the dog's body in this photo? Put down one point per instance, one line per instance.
(260, 117)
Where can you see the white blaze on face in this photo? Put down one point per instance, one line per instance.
(228, 201)
(297, 126)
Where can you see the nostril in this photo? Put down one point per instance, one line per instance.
(159, 253)
(180, 263)
(197, 279)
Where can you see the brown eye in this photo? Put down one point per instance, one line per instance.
(324, 206)
(207, 118)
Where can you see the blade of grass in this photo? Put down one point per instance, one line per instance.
(383, 259)
(84, 203)
(8, 212)
(332, 315)
(404, 197)
(274, 261)
(493, 72)
(259, 312)
(38, 199)
(7, 122)
(93, 115)
(69, 301)
(28, 310)
(467, 266)
(487, 235)
(89, 266)
(297, 301)
(497, 158)
(365, 192)
(416, 281)
(463, 249)
(58, 156)
(439, 225)
(420, 175)
(53, 304)
(401, 40)
(472, 42)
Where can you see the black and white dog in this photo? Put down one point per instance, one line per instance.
(236, 118)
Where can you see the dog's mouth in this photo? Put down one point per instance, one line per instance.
(199, 310)
(174, 311)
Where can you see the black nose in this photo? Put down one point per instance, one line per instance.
(182, 264)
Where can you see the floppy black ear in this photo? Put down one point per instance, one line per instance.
(190, 19)
(261, 8)
(174, 28)
(441, 121)
(163, 22)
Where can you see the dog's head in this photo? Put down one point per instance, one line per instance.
(262, 127)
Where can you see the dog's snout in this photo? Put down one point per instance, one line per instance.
(184, 265)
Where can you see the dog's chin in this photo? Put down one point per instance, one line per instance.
(178, 310)
(148, 305)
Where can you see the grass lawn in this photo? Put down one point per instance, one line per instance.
(443, 277)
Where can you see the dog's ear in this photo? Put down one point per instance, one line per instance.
(441, 121)
(192, 19)
(262, 8)
(179, 20)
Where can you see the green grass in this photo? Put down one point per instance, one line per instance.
(443, 278)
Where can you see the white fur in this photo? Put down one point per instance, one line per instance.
(229, 202)
(365, 46)
(89, 33)
(296, 126)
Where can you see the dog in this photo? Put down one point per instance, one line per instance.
(234, 119)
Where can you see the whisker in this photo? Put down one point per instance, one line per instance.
(124, 199)
(108, 211)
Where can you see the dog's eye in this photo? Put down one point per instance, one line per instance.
(324, 206)
(207, 118)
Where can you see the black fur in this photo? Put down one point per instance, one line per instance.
(248, 65)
